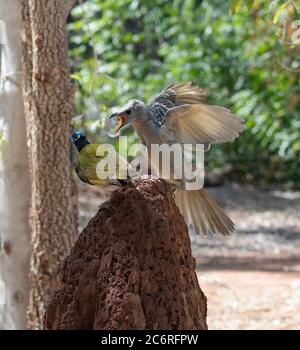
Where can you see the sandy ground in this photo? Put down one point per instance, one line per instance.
(251, 299)
(252, 278)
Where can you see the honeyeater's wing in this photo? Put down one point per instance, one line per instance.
(89, 171)
(88, 161)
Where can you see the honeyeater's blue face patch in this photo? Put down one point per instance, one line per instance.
(77, 136)
(79, 140)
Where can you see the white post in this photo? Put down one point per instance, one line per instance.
(14, 174)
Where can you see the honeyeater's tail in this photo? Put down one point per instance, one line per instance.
(202, 212)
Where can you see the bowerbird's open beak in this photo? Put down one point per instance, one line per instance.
(122, 120)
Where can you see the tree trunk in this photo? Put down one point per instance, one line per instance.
(14, 175)
(48, 107)
(131, 268)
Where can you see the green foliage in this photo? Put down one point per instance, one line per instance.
(240, 51)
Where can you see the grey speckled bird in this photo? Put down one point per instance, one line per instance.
(181, 114)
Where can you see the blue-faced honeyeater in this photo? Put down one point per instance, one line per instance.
(85, 158)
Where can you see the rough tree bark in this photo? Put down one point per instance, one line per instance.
(14, 175)
(48, 106)
(131, 268)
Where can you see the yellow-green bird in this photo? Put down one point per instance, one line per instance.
(86, 159)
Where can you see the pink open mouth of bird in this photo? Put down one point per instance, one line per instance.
(122, 121)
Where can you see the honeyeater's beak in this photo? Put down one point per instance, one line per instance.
(122, 120)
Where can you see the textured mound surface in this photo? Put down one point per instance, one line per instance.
(131, 268)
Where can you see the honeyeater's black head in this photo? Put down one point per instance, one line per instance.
(79, 140)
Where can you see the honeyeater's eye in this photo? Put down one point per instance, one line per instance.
(128, 111)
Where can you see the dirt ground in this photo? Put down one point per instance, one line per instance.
(252, 278)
